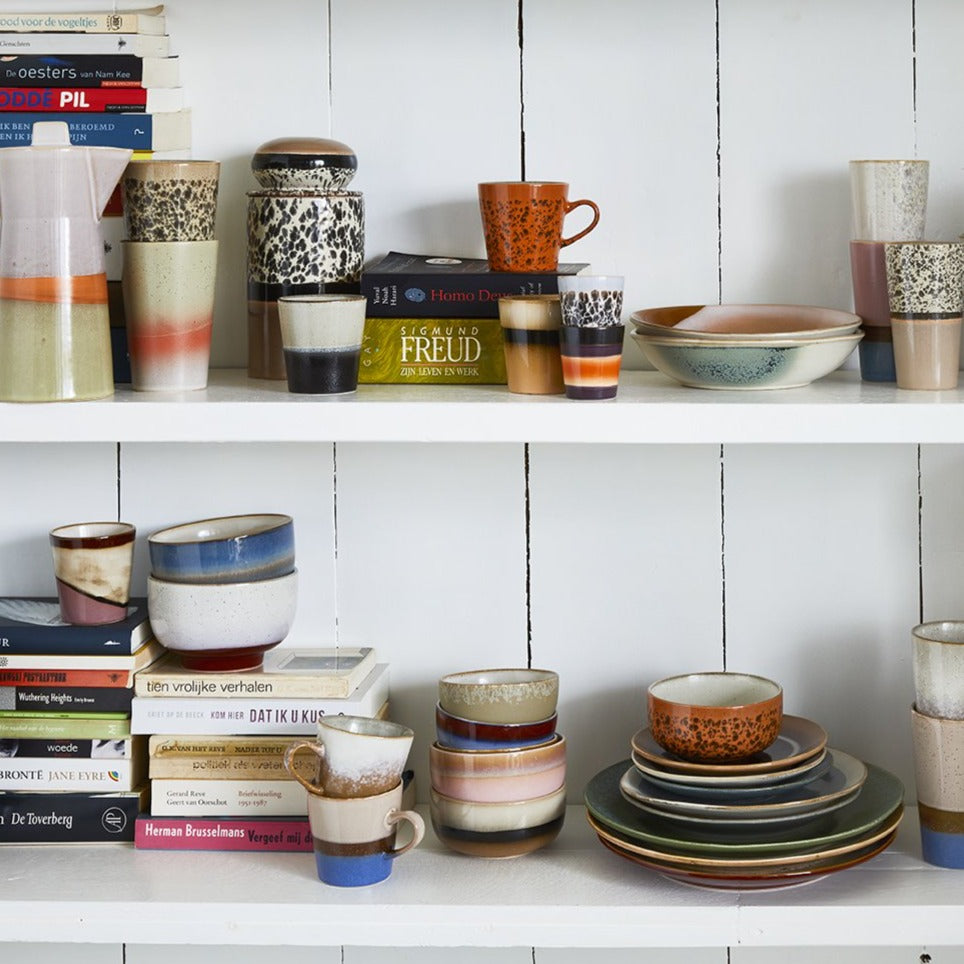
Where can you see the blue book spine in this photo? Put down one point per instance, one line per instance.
(132, 131)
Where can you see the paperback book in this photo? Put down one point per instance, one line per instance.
(149, 20)
(71, 818)
(42, 773)
(251, 715)
(138, 132)
(32, 625)
(66, 699)
(67, 727)
(112, 669)
(227, 798)
(263, 834)
(432, 286)
(74, 749)
(88, 70)
(233, 767)
(138, 44)
(78, 99)
(319, 673)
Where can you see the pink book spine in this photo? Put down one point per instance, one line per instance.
(211, 833)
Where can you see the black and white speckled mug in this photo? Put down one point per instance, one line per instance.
(168, 200)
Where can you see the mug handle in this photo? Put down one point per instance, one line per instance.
(571, 206)
(394, 817)
(318, 749)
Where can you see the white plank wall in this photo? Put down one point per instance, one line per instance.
(715, 135)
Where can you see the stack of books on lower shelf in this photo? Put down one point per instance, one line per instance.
(70, 769)
(217, 743)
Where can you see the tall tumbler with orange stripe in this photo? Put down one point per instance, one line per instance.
(54, 325)
(591, 339)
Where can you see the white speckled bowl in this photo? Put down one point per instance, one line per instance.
(500, 695)
(222, 626)
(741, 365)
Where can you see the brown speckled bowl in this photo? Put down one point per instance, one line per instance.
(715, 717)
(304, 164)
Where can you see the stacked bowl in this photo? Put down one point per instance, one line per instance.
(498, 766)
(724, 790)
(223, 591)
(745, 346)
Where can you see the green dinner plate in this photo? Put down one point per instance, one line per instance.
(880, 795)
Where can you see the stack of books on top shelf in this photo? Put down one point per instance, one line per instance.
(70, 770)
(217, 745)
(108, 76)
(434, 320)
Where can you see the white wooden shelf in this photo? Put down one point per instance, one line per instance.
(649, 409)
(573, 894)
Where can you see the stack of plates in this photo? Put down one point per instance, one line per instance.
(789, 815)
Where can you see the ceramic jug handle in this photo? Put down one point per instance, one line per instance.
(316, 748)
(394, 817)
(571, 206)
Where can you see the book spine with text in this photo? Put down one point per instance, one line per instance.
(21, 725)
(290, 835)
(88, 70)
(227, 798)
(116, 668)
(70, 818)
(134, 100)
(137, 44)
(139, 132)
(67, 699)
(39, 773)
(150, 21)
(112, 679)
(296, 686)
(449, 295)
(241, 715)
(163, 746)
(231, 767)
(80, 749)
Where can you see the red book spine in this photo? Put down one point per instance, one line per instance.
(100, 99)
(223, 833)
(58, 677)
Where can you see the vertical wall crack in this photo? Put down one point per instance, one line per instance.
(913, 63)
(117, 478)
(920, 538)
(528, 519)
(723, 553)
(719, 169)
(334, 517)
(522, 99)
(331, 97)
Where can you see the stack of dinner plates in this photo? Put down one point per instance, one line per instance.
(791, 814)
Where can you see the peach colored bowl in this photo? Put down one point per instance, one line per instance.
(715, 717)
(498, 776)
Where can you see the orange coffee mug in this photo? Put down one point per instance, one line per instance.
(522, 221)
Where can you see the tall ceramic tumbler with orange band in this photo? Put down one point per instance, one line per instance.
(54, 323)
(591, 337)
(523, 223)
(169, 303)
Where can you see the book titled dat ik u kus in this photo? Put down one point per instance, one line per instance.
(243, 714)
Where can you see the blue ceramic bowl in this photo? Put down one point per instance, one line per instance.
(235, 548)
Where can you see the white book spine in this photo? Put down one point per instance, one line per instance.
(40, 773)
(227, 798)
(242, 715)
(134, 44)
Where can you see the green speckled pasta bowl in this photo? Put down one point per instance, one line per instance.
(746, 365)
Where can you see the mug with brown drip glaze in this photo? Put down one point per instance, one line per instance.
(522, 222)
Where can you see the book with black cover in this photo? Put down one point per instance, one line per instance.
(438, 286)
(70, 817)
(32, 624)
